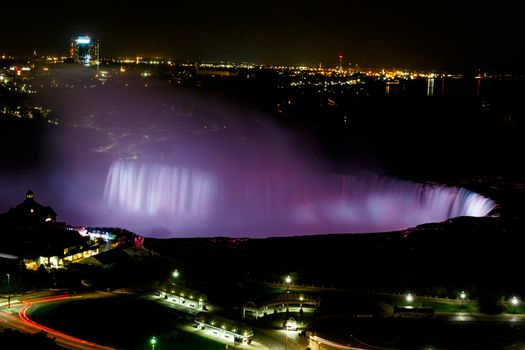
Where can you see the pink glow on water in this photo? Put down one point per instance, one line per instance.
(184, 201)
(160, 190)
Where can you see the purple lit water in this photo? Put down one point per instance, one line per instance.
(167, 163)
(186, 201)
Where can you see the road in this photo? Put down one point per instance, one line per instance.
(512, 338)
(17, 318)
(280, 339)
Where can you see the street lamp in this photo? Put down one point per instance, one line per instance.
(153, 342)
(175, 274)
(514, 302)
(462, 296)
(288, 280)
(409, 297)
(8, 291)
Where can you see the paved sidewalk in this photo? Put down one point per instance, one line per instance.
(254, 345)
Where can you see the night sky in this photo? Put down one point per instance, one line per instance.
(433, 35)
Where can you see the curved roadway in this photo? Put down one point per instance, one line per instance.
(16, 318)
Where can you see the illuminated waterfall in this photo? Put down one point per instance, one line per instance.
(264, 204)
(160, 190)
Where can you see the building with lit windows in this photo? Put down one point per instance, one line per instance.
(224, 328)
(183, 296)
(30, 231)
(281, 303)
(85, 50)
(31, 211)
(30, 234)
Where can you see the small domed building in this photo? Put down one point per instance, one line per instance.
(32, 211)
(30, 232)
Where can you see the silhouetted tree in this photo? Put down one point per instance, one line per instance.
(490, 302)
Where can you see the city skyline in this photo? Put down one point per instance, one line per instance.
(427, 36)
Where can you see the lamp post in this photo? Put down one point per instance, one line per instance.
(514, 302)
(175, 274)
(409, 297)
(288, 280)
(153, 342)
(8, 291)
(462, 296)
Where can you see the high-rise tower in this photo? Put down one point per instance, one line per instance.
(85, 50)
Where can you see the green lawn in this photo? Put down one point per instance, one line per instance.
(185, 341)
(518, 310)
(452, 306)
(124, 322)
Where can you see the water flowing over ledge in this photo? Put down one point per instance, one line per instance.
(185, 201)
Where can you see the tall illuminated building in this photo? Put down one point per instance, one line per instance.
(85, 50)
